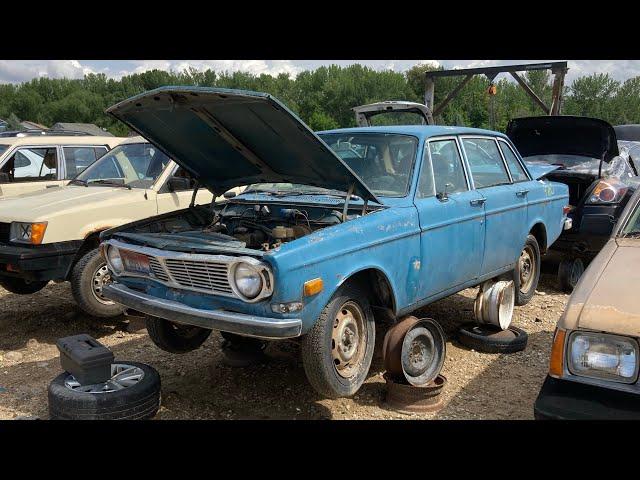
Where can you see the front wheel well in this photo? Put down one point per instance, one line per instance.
(377, 284)
(91, 242)
(540, 232)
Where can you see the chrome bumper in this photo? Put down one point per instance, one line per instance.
(242, 324)
(568, 223)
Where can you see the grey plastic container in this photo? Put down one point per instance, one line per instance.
(85, 358)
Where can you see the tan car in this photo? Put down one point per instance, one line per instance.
(593, 372)
(36, 162)
(53, 234)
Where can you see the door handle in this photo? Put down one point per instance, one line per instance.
(478, 201)
(522, 193)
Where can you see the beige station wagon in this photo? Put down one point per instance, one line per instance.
(595, 358)
(34, 162)
(53, 234)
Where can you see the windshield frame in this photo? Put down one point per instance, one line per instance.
(632, 209)
(158, 181)
(411, 172)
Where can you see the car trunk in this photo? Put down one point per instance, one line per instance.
(579, 183)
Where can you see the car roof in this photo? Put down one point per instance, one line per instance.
(420, 131)
(60, 139)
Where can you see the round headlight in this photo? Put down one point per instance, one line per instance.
(115, 261)
(248, 281)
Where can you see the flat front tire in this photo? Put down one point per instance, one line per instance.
(88, 277)
(337, 351)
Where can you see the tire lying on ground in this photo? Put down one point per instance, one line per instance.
(490, 339)
(22, 287)
(135, 395)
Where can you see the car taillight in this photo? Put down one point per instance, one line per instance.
(567, 209)
(608, 191)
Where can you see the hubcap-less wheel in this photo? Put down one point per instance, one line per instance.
(348, 339)
(122, 376)
(527, 268)
(100, 278)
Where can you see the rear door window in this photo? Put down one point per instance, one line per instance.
(30, 165)
(485, 162)
(515, 168)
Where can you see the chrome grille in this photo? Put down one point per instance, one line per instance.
(157, 269)
(210, 276)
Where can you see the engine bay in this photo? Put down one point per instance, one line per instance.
(256, 226)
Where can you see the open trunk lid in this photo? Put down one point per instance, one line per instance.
(563, 135)
(228, 138)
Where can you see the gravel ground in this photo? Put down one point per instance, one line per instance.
(197, 385)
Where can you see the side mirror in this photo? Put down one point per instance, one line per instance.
(229, 194)
(4, 177)
(444, 196)
(178, 184)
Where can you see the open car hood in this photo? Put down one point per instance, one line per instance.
(567, 135)
(228, 138)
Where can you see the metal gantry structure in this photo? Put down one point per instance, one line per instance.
(558, 69)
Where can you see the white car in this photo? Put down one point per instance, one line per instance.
(54, 234)
(36, 162)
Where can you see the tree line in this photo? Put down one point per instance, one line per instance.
(323, 97)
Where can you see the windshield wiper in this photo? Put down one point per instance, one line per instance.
(79, 182)
(633, 233)
(110, 183)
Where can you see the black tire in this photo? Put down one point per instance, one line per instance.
(175, 338)
(489, 339)
(136, 402)
(522, 297)
(569, 272)
(22, 287)
(82, 287)
(316, 347)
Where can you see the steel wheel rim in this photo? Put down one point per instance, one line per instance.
(420, 353)
(100, 278)
(526, 268)
(122, 376)
(348, 340)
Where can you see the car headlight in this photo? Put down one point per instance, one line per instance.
(600, 355)
(22, 232)
(114, 259)
(247, 280)
(608, 191)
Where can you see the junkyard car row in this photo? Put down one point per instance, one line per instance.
(229, 214)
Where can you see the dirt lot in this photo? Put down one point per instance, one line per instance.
(197, 385)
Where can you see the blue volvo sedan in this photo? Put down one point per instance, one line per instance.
(335, 229)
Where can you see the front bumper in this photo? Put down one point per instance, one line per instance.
(50, 261)
(567, 400)
(242, 324)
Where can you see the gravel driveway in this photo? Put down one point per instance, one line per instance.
(197, 385)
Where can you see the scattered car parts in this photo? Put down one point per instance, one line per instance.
(489, 339)
(96, 387)
(404, 398)
(494, 303)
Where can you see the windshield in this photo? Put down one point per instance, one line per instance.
(3, 148)
(136, 165)
(383, 161)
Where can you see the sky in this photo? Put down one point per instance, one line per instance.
(16, 71)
